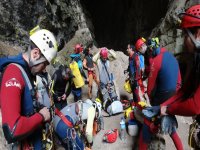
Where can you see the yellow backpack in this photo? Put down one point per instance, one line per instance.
(78, 79)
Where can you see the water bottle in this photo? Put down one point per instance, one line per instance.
(122, 129)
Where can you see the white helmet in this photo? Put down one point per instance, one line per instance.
(46, 42)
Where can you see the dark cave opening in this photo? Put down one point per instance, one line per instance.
(119, 22)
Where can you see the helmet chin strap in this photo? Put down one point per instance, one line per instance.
(35, 62)
(196, 42)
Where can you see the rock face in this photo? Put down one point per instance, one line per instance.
(63, 17)
(167, 31)
(87, 20)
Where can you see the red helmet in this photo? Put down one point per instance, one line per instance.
(110, 136)
(104, 53)
(191, 18)
(78, 48)
(139, 43)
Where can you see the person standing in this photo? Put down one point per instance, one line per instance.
(21, 118)
(140, 44)
(134, 72)
(107, 87)
(76, 66)
(61, 86)
(163, 81)
(187, 102)
(89, 65)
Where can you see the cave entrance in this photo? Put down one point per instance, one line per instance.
(118, 22)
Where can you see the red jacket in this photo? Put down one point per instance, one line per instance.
(187, 107)
(11, 96)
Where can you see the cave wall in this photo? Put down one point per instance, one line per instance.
(168, 30)
(106, 23)
(62, 17)
(117, 23)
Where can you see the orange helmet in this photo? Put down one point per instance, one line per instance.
(139, 43)
(111, 136)
(78, 48)
(191, 18)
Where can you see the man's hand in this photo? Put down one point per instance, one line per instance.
(168, 124)
(150, 112)
(63, 97)
(45, 113)
(163, 110)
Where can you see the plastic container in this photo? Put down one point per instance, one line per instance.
(133, 128)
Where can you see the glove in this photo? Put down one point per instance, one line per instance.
(168, 124)
(150, 112)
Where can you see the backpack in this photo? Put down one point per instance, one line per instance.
(115, 107)
(78, 79)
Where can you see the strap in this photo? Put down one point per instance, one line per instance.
(106, 71)
(24, 75)
(44, 82)
(53, 82)
(64, 119)
(134, 63)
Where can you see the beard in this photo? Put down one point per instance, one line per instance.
(37, 69)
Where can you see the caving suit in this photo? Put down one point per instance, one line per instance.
(163, 82)
(21, 124)
(134, 75)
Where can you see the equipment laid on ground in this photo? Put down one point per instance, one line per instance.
(133, 128)
(122, 129)
(110, 136)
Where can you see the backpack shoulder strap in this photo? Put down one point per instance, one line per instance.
(24, 75)
(106, 70)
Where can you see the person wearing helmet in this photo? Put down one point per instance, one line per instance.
(186, 101)
(89, 65)
(141, 48)
(61, 86)
(107, 83)
(164, 78)
(78, 48)
(134, 71)
(21, 114)
(163, 81)
(77, 92)
(83, 114)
